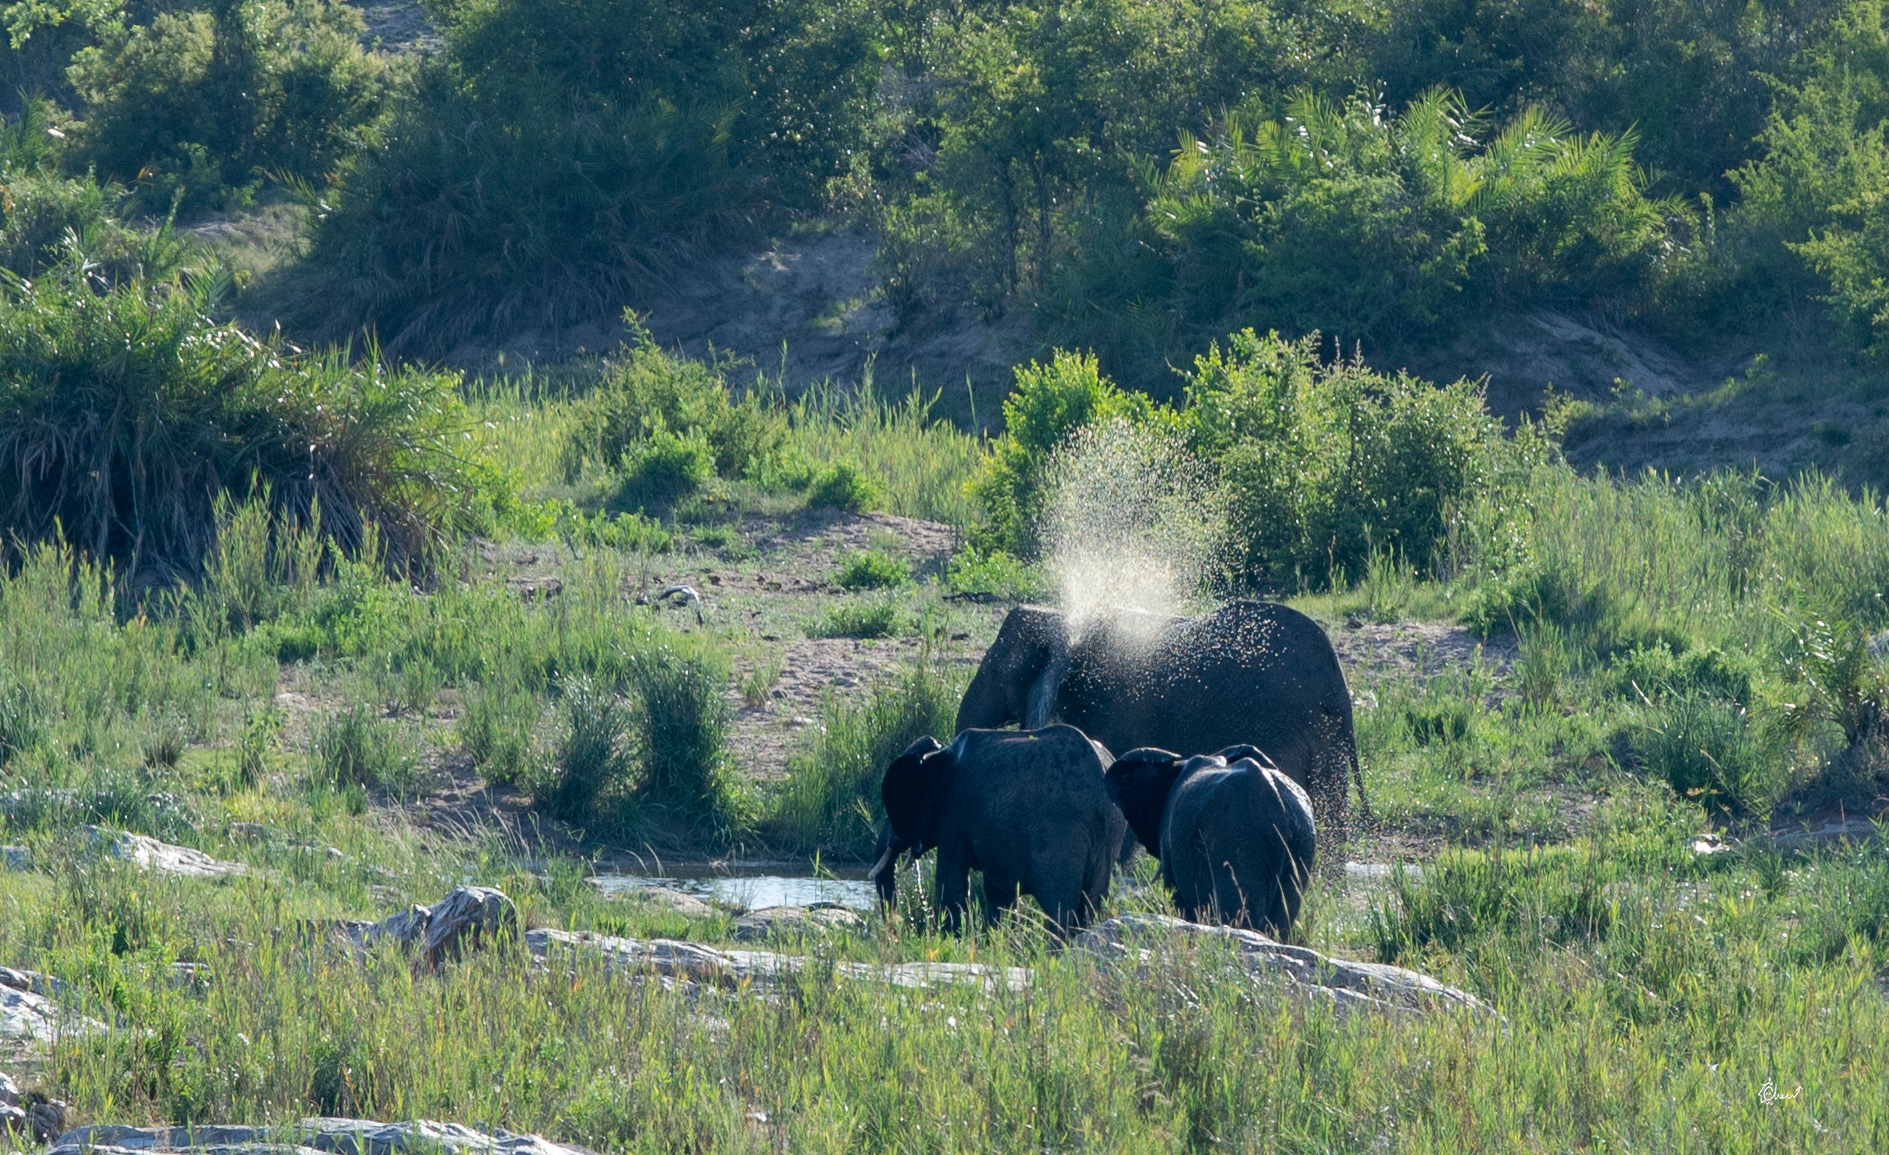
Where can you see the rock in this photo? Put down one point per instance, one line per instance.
(27, 1009)
(17, 858)
(250, 832)
(45, 1118)
(1351, 985)
(733, 968)
(150, 854)
(674, 900)
(467, 918)
(309, 1137)
(1830, 828)
(1709, 844)
(821, 916)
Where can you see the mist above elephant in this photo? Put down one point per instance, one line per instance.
(1030, 809)
(1235, 836)
(1249, 673)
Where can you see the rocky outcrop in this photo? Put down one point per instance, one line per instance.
(309, 1137)
(710, 966)
(1349, 985)
(27, 1009)
(469, 917)
(812, 919)
(149, 854)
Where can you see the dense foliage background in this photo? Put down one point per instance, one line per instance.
(1142, 178)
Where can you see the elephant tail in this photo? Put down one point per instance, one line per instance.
(1357, 775)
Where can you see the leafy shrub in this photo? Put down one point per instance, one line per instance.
(1325, 465)
(197, 103)
(877, 617)
(994, 576)
(1048, 404)
(842, 486)
(49, 222)
(593, 758)
(660, 469)
(872, 570)
(124, 414)
(570, 152)
(357, 747)
(830, 801)
(647, 392)
(1704, 748)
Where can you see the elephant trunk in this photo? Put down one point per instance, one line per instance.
(1040, 705)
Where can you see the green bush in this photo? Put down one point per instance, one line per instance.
(830, 801)
(994, 576)
(875, 617)
(1048, 404)
(205, 104)
(646, 392)
(869, 569)
(659, 470)
(124, 414)
(1326, 464)
(842, 486)
(561, 156)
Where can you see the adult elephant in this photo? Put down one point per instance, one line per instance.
(1250, 672)
(1031, 809)
(1235, 836)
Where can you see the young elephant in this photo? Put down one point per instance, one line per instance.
(1029, 808)
(1234, 834)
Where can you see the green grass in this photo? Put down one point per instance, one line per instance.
(1648, 994)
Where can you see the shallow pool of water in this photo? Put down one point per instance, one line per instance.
(752, 892)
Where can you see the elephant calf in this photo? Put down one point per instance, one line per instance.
(1234, 834)
(1029, 808)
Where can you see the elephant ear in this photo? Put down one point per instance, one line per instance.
(1139, 782)
(1233, 754)
(910, 792)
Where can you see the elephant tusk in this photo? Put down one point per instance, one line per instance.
(885, 859)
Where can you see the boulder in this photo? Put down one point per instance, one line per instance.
(149, 854)
(1826, 829)
(685, 904)
(820, 916)
(468, 917)
(27, 1009)
(710, 966)
(29, 1113)
(309, 1137)
(1349, 985)
(17, 858)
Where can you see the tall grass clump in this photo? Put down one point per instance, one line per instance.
(124, 414)
(682, 734)
(593, 760)
(830, 801)
(909, 461)
(356, 746)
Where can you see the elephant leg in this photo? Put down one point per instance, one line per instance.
(1000, 894)
(951, 885)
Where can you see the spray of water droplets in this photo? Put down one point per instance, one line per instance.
(1131, 524)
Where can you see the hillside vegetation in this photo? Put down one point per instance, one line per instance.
(1139, 178)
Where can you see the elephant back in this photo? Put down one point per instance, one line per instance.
(1251, 672)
